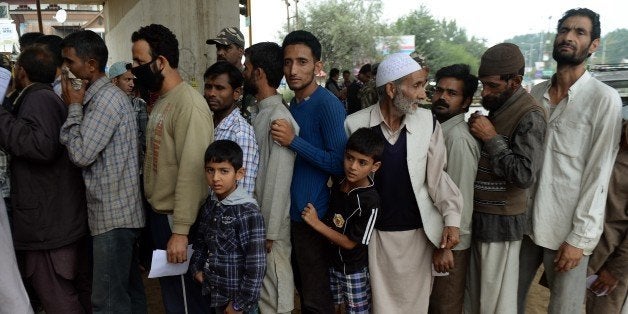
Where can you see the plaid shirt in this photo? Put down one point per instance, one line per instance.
(235, 128)
(101, 138)
(229, 250)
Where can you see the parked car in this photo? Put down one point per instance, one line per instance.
(616, 76)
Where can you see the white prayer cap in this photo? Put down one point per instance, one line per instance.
(394, 67)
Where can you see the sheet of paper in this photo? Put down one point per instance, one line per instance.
(590, 280)
(5, 79)
(161, 268)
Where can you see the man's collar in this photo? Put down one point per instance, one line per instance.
(453, 121)
(93, 88)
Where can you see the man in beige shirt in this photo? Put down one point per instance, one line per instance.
(179, 130)
(455, 86)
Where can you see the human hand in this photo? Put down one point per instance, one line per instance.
(568, 257)
(177, 248)
(199, 276)
(282, 132)
(230, 309)
(268, 245)
(605, 282)
(309, 214)
(443, 260)
(481, 127)
(450, 237)
(71, 91)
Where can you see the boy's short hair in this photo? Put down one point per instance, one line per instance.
(365, 141)
(224, 150)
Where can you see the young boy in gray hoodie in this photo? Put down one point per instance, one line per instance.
(229, 259)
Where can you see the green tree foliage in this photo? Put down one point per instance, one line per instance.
(613, 47)
(442, 42)
(346, 30)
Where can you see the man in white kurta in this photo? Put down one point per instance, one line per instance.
(420, 208)
(262, 74)
(582, 140)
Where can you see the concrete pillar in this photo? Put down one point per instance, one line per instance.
(192, 21)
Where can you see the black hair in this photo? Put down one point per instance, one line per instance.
(346, 72)
(596, 29)
(333, 72)
(365, 141)
(38, 63)
(162, 42)
(365, 69)
(305, 38)
(461, 72)
(53, 42)
(267, 56)
(88, 45)
(28, 39)
(224, 67)
(225, 150)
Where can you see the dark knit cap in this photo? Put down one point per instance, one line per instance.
(501, 59)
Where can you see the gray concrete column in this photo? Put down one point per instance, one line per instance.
(192, 21)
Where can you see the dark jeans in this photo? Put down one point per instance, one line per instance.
(171, 286)
(310, 265)
(117, 282)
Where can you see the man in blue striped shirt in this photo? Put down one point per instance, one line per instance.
(100, 134)
(222, 89)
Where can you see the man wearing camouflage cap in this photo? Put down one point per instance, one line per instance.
(512, 135)
(229, 46)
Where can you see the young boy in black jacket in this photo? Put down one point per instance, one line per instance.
(350, 220)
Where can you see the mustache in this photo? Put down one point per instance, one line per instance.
(566, 44)
(441, 103)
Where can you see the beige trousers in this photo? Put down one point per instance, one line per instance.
(400, 266)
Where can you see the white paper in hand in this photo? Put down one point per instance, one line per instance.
(160, 267)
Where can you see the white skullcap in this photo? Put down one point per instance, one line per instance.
(394, 67)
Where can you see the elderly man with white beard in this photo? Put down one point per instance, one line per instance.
(420, 204)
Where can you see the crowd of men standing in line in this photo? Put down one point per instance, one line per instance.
(468, 211)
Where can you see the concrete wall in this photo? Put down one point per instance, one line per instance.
(192, 21)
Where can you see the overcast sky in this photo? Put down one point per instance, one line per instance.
(493, 20)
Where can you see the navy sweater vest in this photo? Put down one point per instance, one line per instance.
(399, 209)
